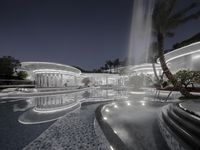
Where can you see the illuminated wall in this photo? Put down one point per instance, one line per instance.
(47, 74)
(103, 78)
(187, 57)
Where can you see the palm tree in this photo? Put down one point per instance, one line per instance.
(110, 64)
(165, 19)
(116, 64)
(106, 67)
(153, 56)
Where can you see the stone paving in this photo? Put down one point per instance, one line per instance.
(75, 131)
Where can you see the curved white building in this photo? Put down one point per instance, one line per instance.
(145, 69)
(187, 57)
(184, 58)
(46, 74)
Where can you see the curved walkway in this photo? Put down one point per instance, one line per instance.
(75, 131)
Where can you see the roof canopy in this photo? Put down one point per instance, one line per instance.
(32, 66)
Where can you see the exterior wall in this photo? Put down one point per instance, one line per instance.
(187, 57)
(55, 80)
(51, 74)
(146, 69)
(103, 78)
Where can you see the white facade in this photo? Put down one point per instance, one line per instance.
(51, 74)
(103, 78)
(187, 58)
(146, 69)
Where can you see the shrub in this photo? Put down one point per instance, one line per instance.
(86, 81)
(187, 78)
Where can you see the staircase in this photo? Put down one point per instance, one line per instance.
(180, 128)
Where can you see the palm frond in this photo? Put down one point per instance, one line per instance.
(162, 12)
(170, 34)
(190, 17)
(184, 11)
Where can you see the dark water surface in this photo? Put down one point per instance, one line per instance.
(14, 135)
(22, 121)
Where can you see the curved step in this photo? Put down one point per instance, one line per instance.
(189, 124)
(194, 119)
(188, 128)
(181, 128)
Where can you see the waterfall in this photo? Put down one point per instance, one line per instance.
(141, 32)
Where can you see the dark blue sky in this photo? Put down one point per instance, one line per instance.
(85, 33)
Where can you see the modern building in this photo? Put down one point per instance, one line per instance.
(103, 78)
(184, 58)
(46, 74)
(146, 69)
(187, 57)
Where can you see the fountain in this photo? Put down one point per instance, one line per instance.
(140, 40)
(141, 32)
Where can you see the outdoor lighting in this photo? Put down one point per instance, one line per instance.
(115, 106)
(107, 110)
(105, 118)
(143, 103)
(134, 92)
(111, 148)
(115, 131)
(128, 103)
(196, 57)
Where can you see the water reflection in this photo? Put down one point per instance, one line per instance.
(49, 108)
(105, 94)
(54, 103)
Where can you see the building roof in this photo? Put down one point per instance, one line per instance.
(183, 51)
(32, 66)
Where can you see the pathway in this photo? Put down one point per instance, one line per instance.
(75, 131)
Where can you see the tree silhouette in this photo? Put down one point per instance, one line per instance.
(165, 19)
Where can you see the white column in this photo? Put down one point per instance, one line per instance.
(57, 80)
(43, 80)
(51, 80)
(47, 79)
(54, 80)
(40, 80)
(36, 80)
(61, 85)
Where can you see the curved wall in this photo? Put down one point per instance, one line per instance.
(187, 57)
(46, 74)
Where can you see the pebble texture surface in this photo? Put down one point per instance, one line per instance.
(75, 131)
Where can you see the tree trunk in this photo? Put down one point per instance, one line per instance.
(166, 71)
(155, 73)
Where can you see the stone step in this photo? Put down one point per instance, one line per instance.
(189, 123)
(181, 128)
(186, 115)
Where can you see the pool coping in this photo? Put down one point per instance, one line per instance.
(115, 142)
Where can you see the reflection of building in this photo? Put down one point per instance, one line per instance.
(54, 102)
(51, 74)
(46, 109)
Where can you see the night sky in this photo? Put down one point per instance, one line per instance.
(82, 33)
